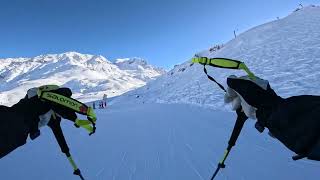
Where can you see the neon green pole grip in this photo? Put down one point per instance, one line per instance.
(226, 152)
(73, 164)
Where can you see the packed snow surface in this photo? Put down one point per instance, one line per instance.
(157, 142)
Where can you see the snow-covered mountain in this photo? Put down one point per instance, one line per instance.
(89, 76)
(139, 68)
(286, 52)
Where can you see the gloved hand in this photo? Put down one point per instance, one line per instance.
(254, 96)
(293, 121)
(256, 92)
(250, 94)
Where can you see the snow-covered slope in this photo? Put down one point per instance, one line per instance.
(89, 76)
(285, 51)
(139, 68)
(157, 142)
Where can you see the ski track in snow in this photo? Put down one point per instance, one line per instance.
(100, 172)
(158, 142)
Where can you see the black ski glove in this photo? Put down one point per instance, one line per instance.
(255, 96)
(256, 92)
(294, 121)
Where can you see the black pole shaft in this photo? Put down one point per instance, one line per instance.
(215, 173)
(241, 118)
(78, 173)
(81, 177)
(220, 165)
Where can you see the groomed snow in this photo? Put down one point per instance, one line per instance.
(157, 142)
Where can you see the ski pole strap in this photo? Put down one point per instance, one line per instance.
(64, 101)
(223, 63)
(212, 79)
(73, 105)
(86, 124)
(241, 119)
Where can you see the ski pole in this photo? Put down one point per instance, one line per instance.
(75, 168)
(241, 119)
(221, 163)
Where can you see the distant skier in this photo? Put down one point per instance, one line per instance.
(41, 106)
(295, 121)
(105, 97)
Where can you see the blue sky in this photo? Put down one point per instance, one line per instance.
(165, 32)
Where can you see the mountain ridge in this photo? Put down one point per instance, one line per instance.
(83, 73)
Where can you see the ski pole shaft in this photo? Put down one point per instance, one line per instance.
(78, 173)
(75, 168)
(81, 177)
(241, 118)
(221, 163)
(216, 172)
